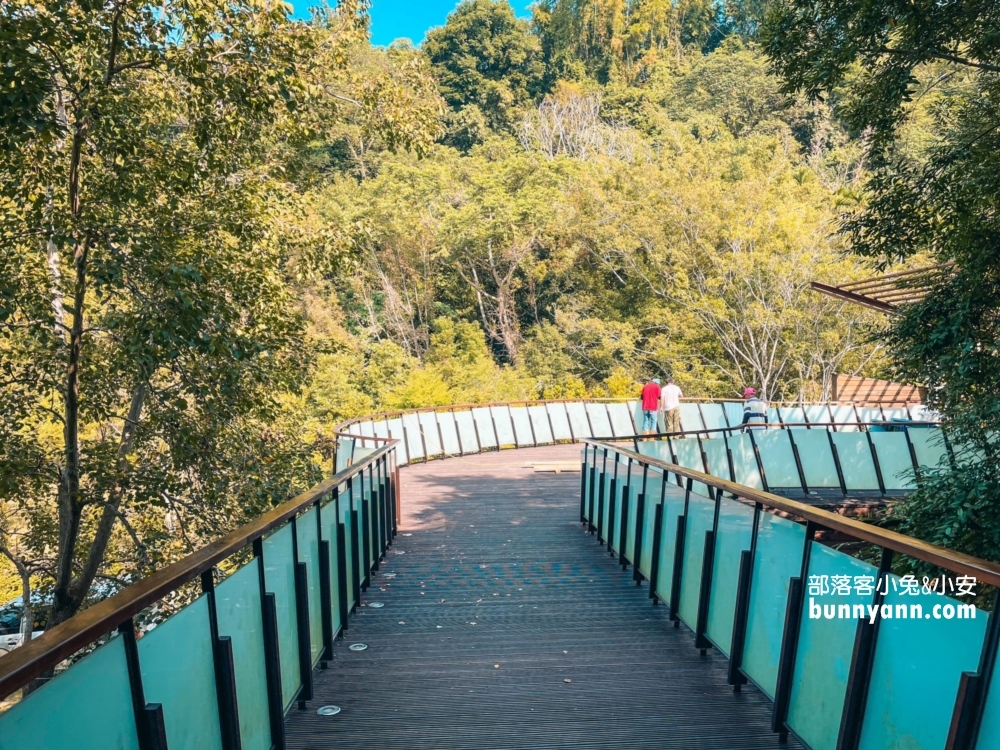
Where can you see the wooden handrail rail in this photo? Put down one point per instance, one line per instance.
(541, 402)
(762, 425)
(957, 562)
(39, 655)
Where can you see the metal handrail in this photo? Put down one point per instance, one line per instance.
(956, 562)
(42, 654)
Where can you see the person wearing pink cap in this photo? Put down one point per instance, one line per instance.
(754, 410)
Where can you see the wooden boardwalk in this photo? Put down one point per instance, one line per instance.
(506, 626)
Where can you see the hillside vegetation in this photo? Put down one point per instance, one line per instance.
(223, 232)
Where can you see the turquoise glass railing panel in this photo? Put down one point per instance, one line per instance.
(895, 413)
(773, 417)
(745, 468)
(366, 428)
(449, 433)
(656, 449)
(362, 452)
(601, 508)
(919, 660)
(817, 458)
(654, 488)
(714, 416)
(381, 429)
(989, 731)
(466, 425)
(688, 451)
(792, 415)
(845, 417)
(870, 414)
(734, 412)
(87, 707)
(279, 579)
(921, 413)
(856, 460)
(522, 425)
(894, 459)
(673, 506)
(484, 426)
(178, 671)
(578, 420)
(540, 424)
(817, 413)
(504, 426)
(621, 420)
(414, 440)
(733, 535)
(345, 453)
(823, 657)
(691, 417)
(238, 607)
(600, 423)
(776, 456)
(701, 516)
(637, 418)
(396, 432)
(777, 559)
(560, 422)
(717, 455)
(929, 447)
(429, 430)
(307, 528)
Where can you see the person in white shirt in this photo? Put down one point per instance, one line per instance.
(670, 403)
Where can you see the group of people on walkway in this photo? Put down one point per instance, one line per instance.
(666, 400)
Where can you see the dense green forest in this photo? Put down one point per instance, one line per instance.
(223, 232)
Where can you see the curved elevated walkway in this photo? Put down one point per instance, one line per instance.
(497, 570)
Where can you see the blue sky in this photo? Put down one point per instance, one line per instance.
(393, 19)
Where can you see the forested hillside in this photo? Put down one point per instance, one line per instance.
(223, 232)
(615, 191)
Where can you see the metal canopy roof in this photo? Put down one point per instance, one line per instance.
(888, 292)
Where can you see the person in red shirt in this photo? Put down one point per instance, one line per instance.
(650, 405)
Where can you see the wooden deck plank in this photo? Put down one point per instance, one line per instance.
(498, 571)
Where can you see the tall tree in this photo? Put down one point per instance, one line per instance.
(896, 66)
(486, 58)
(145, 309)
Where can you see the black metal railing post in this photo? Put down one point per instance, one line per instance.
(272, 659)
(677, 577)
(736, 678)
(225, 674)
(862, 660)
(967, 717)
(149, 726)
(366, 539)
(701, 641)
(376, 521)
(583, 483)
(640, 512)
(623, 522)
(342, 574)
(326, 601)
(658, 522)
(790, 639)
(302, 619)
(592, 527)
(612, 506)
